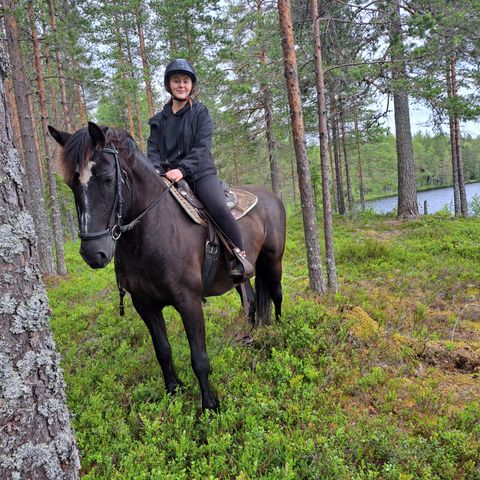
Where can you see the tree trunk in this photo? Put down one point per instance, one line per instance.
(337, 160)
(134, 94)
(61, 72)
(323, 139)
(78, 92)
(332, 170)
(53, 93)
(266, 101)
(36, 440)
(456, 190)
(407, 187)
(458, 148)
(124, 76)
(57, 219)
(303, 168)
(36, 199)
(145, 64)
(360, 168)
(345, 158)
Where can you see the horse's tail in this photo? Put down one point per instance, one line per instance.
(263, 299)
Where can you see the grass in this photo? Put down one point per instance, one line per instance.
(363, 384)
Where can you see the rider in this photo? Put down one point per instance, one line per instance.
(179, 147)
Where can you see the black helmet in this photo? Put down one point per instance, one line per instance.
(178, 66)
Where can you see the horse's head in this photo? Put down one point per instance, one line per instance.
(93, 173)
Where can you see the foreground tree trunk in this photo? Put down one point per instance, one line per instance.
(58, 233)
(323, 138)
(314, 260)
(36, 440)
(407, 187)
(35, 199)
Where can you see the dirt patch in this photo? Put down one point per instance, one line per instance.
(451, 356)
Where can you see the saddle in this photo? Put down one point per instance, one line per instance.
(239, 201)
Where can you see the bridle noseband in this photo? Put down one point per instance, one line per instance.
(117, 229)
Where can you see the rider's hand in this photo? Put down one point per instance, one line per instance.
(174, 175)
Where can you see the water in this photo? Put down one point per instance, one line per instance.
(436, 199)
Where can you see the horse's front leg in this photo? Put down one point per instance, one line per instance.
(156, 326)
(191, 312)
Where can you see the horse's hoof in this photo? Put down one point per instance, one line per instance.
(174, 386)
(212, 406)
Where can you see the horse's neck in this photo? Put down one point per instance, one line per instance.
(145, 187)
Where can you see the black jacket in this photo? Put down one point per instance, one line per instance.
(194, 142)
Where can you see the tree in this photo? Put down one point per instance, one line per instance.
(407, 188)
(57, 220)
(35, 199)
(314, 260)
(323, 140)
(36, 439)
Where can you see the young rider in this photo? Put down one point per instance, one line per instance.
(179, 147)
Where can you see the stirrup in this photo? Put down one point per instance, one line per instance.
(243, 270)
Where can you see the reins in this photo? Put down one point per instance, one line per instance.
(117, 229)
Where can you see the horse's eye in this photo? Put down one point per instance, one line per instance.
(108, 181)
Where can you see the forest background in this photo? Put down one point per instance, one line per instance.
(376, 381)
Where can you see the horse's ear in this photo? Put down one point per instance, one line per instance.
(60, 137)
(97, 134)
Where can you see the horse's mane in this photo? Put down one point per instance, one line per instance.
(79, 149)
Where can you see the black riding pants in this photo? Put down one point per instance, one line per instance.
(210, 192)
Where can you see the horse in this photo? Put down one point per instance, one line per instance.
(125, 210)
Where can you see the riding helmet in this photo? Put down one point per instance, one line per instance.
(178, 66)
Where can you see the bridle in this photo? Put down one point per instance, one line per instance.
(116, 230)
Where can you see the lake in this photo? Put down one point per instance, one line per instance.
(436, 199)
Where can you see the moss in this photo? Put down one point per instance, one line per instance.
(363, 325)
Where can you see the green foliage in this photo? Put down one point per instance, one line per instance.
(474, 206)
(305, 401)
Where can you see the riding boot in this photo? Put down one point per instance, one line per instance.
(243, 269)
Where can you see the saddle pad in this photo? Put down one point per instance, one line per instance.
(191, 211)
(245, 202)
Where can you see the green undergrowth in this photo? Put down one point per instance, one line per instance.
(313, 397)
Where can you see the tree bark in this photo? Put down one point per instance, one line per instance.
(317, 283)
(360, 168)
(332, 170)
(407, 187)
(35, 199)
(456, 190)
(266, 101)
(145, 63)
(58, 233)
(135, 95)
(457, 146)
(337, 160)
(323, 139)
(61, 71)
(345, 158)
(124, 76)
(36, 440)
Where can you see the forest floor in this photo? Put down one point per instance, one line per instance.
(379, 381)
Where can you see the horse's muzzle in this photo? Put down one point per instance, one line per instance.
(96, 257)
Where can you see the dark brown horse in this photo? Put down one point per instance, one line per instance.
(124, 207)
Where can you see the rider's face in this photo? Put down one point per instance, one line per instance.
(180, 85)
